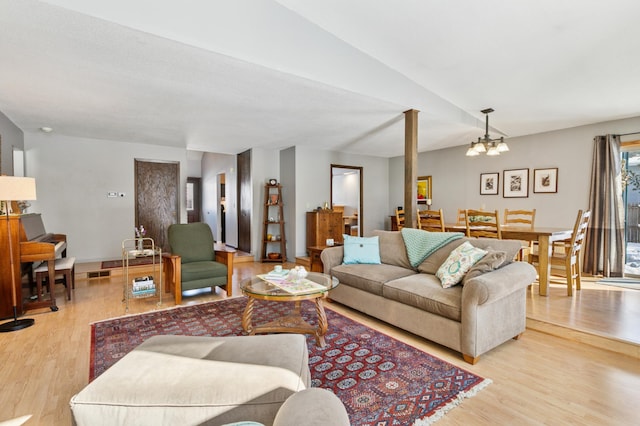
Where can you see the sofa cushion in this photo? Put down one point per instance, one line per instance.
(392, 248)
(492, 260)
(425, 292)
(433, 262)
(459, 261)
(369, 278)
(361, 250)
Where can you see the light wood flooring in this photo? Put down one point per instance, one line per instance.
(539, 379)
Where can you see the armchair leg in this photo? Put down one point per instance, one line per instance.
(172, 266)
(226, 257)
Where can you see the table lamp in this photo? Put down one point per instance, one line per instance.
(13, 188)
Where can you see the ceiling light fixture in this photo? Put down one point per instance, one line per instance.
(492, 147)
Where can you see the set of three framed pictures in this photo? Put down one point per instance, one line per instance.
(515, 182)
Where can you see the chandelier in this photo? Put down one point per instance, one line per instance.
(485, 144)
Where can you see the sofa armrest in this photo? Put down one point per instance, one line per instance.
(494, 308)
(312, 407)
(497, 284)
(331, 257)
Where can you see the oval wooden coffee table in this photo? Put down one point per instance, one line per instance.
(257, 288)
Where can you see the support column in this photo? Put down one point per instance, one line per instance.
(410, 168)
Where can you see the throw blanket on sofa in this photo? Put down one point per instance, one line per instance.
(421, 244)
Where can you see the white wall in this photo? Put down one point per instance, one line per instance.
(313, 187)
(456, 178)
(73, 176)
(10, 136)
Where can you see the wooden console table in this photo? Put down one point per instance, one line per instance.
(315, 263)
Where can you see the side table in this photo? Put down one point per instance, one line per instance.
(315, 264)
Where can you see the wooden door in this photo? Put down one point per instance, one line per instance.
(157, 198)
(245, 203)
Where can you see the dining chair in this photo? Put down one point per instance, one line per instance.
(400, 218)
(483, 224)
(521, 218)
(460, 220)
(571, 259)
(431, 220)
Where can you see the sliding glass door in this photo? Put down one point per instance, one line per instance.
(631, 197)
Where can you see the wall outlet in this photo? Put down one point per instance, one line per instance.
(112, 194)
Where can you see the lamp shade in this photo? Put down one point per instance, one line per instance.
(15, 188)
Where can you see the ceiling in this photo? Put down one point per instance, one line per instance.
(226, 76)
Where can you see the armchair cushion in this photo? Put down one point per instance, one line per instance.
(192, 241)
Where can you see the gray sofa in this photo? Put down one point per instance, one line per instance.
(196, 380)
(473, 318)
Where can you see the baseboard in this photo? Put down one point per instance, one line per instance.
(303, 261)
(608, 343)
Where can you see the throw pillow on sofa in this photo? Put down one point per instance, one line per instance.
(491, 261)
(361, 250)
(460, 260)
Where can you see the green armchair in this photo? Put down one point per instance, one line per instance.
(194, 262)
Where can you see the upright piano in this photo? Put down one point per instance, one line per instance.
(31, 244)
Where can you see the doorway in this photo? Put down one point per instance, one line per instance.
(193, 195)
(222, 208)
(346, 195)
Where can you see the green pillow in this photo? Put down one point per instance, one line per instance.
(361, 250)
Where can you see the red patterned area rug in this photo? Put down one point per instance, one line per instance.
(380, 380)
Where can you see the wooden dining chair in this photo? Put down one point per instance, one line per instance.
(431, 220)
(460, 220)
(521, 218)
(400, 218)
(483, 224)
(571, 259)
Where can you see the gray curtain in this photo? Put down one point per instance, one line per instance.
(604, 247)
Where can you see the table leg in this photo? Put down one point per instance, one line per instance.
(544, 253)
(322, 323)
(246, 316)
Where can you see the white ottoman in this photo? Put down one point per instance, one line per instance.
(187, 380)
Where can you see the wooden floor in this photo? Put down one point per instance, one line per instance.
(539, 379)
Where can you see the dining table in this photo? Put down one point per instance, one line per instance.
(545, 236)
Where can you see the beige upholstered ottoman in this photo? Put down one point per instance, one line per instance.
(187, 380)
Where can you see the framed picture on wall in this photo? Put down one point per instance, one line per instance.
(515, 183)
(545, 180)
(424, 190)
(489, 183)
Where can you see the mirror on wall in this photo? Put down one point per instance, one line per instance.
(346, 196)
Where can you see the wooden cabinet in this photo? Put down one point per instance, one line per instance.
(324, 224)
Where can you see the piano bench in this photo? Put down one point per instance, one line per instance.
(64, 267)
